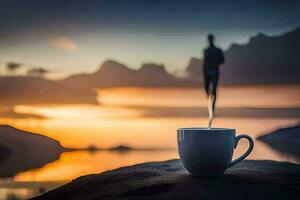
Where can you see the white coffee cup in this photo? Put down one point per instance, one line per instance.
(208, 152)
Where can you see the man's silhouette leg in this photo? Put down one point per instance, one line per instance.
(207, 84)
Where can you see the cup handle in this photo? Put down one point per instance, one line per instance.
(250, 148)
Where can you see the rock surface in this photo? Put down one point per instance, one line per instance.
(285, 140)
(249, 179)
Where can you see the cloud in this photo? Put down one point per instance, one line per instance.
(64, 43)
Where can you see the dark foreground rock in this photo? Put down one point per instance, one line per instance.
(285, 140)
(168, 180)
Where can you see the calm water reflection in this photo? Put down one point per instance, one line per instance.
(118, 121)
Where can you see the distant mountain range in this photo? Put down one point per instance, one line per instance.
(112, 73)
(263, 60)
(23, 150)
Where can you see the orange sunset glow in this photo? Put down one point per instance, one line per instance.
(140, 99)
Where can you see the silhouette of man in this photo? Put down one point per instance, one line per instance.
(213, 58)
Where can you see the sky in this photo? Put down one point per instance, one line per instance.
(72, 36)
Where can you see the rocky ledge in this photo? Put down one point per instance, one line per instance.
(250, 179)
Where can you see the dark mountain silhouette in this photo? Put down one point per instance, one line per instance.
(30, 90)
(194, 68)
(263, 60)
(112, 73)
(27, 150)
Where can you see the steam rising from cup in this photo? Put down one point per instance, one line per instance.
(211, 101)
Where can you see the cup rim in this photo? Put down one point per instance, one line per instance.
(205, 129)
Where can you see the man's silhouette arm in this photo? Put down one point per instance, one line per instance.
(222, 58)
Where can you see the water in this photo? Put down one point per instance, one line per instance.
(141, 118)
